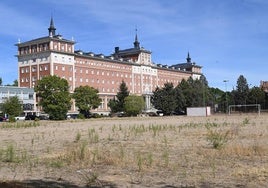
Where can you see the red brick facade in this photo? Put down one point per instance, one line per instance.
(53, 55)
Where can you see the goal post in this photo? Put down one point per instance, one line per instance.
(245, 108)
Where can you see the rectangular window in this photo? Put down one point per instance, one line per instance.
(33, 69)
(30, 96)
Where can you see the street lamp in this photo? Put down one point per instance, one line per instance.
(226, 102)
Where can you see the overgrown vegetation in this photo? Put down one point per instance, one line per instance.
(169, 152)
(218, 138)
(20, 124)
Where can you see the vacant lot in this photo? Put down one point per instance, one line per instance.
(178, 151)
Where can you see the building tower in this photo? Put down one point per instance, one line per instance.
(51, 29)
(48, 55)
(188, 59)
(136, 42)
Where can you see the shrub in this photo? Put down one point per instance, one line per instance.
(218, 138)
(77, 137)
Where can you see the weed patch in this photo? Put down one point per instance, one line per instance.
(217, 138)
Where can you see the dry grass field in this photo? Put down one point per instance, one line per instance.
(177, 151)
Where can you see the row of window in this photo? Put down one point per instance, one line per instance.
(44, 47)
(34, 68)
(104, 65)
(24, 96)
(63, 59)
(98, 81)
(35, 60)
(33, 49)
(113, 90)
(62, 47)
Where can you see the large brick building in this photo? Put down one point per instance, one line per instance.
(54, 55)
(264, 86)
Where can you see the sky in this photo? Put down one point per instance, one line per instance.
(227, 38)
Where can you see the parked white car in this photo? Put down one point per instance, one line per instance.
(20, 118)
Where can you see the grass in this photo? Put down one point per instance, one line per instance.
(218, 138)
(20, 124)
(90, 178)
(77, 137)
(182, 153)
(11, 154)
(93, 136)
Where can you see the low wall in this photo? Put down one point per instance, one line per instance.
(199, 111)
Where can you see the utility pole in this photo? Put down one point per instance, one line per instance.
(226, 102)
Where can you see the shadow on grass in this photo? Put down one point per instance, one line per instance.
(50, 184)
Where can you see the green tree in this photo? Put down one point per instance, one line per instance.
(54, 96)
(1, 81)
(165, 99)
(134, 105)
(12, 106)
(242, 91)
(121, 95)
(195, 91)
(86, 98)
(15, 83)
(218, 98)
(117, 105)
(113, 105)
(256, 96)
(180, 100)
(185, 87)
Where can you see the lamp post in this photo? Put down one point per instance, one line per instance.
(226, 102)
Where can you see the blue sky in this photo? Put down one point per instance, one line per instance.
(228, 38)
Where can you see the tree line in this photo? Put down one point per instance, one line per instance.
(197, 93)
(55, 99)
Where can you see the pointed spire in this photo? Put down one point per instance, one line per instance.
(136, 43)
(188, 58)
(51, 29)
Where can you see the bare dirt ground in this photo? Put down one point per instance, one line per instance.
(177, 151)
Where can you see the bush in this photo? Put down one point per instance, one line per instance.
(218, 138)
(11, 119)
(81, 116)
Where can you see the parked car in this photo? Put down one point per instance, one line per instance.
(160, 113)
(3, 119)
(20, 118)
(43, 117)
(72, 116)
(30, 117)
